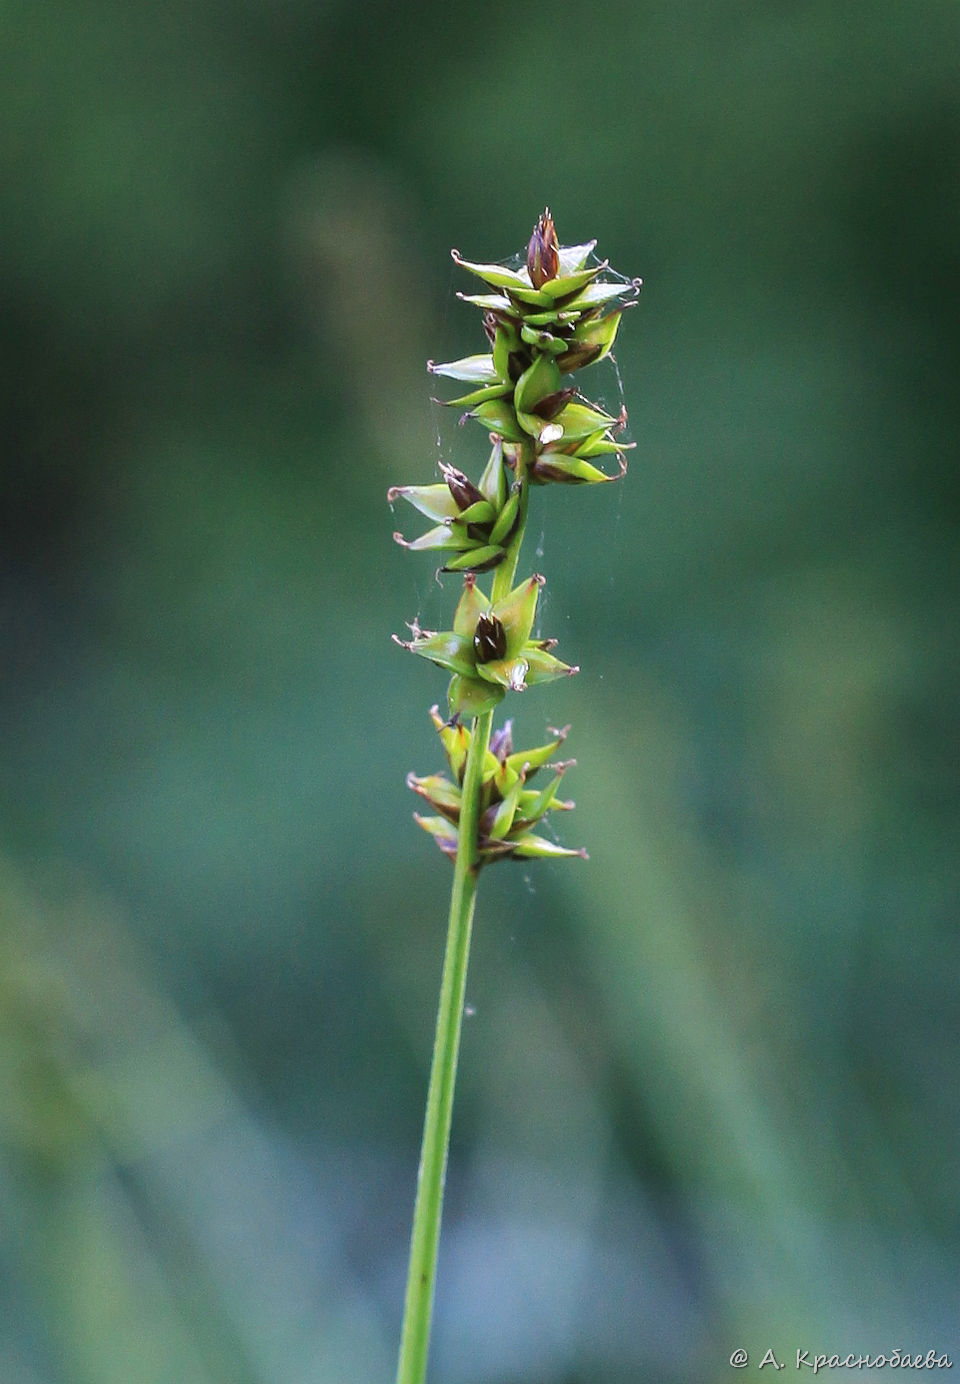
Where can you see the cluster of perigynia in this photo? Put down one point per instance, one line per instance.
(543, 322)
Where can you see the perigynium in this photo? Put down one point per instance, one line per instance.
(543, 323)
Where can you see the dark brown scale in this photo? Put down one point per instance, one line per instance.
(489, 639)
(543, 258)
(577, 357)
(551, 404)
(461, 487)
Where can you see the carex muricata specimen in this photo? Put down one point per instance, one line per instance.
(544, 321)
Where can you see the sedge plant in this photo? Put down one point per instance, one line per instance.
(544, 321)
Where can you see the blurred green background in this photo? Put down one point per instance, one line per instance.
(708, 1095)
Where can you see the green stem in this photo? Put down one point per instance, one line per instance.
(421, 1274)
(415, 1340)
